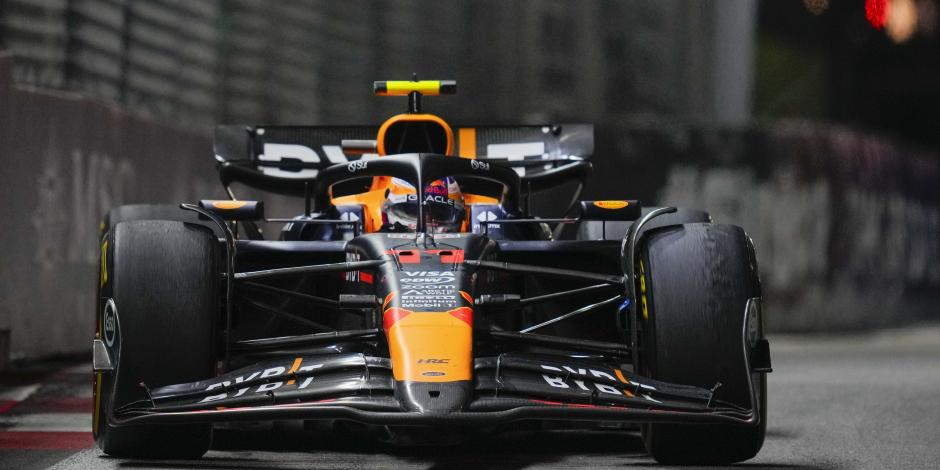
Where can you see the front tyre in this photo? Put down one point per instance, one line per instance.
(161, 279)
(694, 284)
(132, 212)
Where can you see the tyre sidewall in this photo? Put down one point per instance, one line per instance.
(704, 274)
(163, 279)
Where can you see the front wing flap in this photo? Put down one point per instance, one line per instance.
(509, 387)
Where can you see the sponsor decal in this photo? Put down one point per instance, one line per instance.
(580, 371)
(357, 165)
(274, 152)
(561, 382)
(425, 274)
(436, 299)
(611, 204)
(439, 199)
(427, 278)
(418, 236)
(586, 379)
(435, 198)
(429, 290)
(433, 361)
(351, 276)
(109, 322)
(427, 281)
(436, 189)
(479, 165)
(271, 385)
(487, 216)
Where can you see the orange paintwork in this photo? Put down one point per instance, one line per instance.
(293, 368)
(388, 298)
(466, 297)
(467, 142)
(624, 380)
(229, 205)
(611, 204)
(471, 199)
(430, 346)
(372, 200)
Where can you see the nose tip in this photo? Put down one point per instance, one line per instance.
(434, 397)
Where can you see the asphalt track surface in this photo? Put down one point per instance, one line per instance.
(858, 401)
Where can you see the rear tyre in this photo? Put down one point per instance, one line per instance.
(163, 278)
(696, 280)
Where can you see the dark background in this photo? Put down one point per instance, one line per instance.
(795, 118)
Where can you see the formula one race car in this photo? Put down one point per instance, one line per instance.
(417, 295)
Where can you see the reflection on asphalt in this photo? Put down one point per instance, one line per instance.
(848, 401)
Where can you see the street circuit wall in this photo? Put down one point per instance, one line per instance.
(64, 161)
(846, 222)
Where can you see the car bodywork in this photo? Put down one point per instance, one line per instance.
(340, 319)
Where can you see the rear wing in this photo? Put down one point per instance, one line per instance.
(285, 159)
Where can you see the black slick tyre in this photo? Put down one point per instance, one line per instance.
(695, 281)
(162, 280)
(131, 212)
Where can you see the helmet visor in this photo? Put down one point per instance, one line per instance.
(435, 211)
(443, 205)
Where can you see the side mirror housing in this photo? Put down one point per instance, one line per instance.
(234, 210)
(621, 210)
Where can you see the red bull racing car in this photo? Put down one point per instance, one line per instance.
(417, 292)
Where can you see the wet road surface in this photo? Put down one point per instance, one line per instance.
(852, 401)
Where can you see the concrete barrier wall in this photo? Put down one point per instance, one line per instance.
(64, 161)
(846, 223)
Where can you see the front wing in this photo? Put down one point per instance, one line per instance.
(509, 387)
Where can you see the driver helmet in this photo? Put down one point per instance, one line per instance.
(444, 205)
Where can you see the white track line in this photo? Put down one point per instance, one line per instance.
(46, 422)
(18, 394)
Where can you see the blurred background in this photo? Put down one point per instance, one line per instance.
(815, 124)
